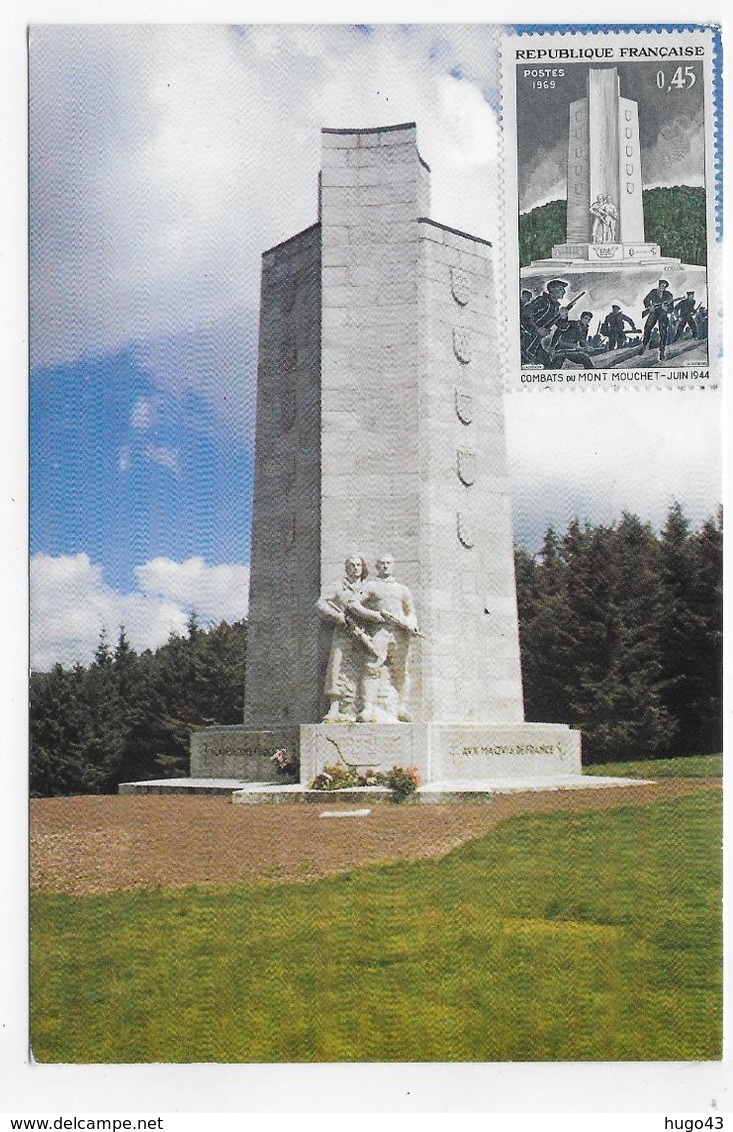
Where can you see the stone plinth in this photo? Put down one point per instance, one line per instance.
(204, 787)
(236, 752)
(610, 253)
(365, 746)
(458, 752)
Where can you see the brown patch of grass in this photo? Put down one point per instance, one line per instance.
(96, 844)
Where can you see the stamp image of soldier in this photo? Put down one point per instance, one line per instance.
(685, 312)
(570, 340)
(658, 306)
(541, 318)
(613, 327)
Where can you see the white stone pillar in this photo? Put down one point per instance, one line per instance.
(578, 215)
(630, 187)
(603, 132)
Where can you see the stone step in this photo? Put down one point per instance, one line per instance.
(208, 786)
(466, 790)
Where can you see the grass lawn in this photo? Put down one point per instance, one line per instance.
(566, 936)
(693, 766)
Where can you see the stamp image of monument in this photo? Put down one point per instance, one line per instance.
(383, 627)
(612, 215)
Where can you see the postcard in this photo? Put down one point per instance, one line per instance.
(376, 553)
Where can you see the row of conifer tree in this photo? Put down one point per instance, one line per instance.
(621, 636)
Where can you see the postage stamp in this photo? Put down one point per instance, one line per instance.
(610, 197)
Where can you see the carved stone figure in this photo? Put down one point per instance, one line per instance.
(348, 644)
(386, 606)
(609, 222)
(604, 224)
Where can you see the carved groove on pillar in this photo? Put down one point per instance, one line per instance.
(465, 529)
(466, 466)
(464, 406)
(462, 344)
(460, 285)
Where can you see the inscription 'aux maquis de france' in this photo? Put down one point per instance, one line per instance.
(510, 749)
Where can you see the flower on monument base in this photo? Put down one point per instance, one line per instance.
(282, 760)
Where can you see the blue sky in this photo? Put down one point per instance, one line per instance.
(131, 471)
(163, 161)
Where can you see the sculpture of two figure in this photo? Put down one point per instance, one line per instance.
(606, 216)
(367, 679)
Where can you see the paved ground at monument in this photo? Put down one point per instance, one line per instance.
(96, 844)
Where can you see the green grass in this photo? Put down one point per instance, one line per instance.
(694, 766)
(559, 937)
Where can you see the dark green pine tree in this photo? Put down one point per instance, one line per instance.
(144, 737)
(705, 672)
(545, 644)
(681, 629)
(591, 631)
(180, 676)
(626, 717)
(105, 713)
(590, 651)
(222, 652)
(62, 756)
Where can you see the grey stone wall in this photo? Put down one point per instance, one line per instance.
(440, 752)
(234, 752)
(470, 655)
(281, 683)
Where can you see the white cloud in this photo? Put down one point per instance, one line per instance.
(165, 456)
(215, 592)
(598, 452)
(546, 180)
(165, 159)
(71, 604)
(142, 413)
(678, 155)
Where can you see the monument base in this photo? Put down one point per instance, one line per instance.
(608, 254)
(456, 762)
(455, 752)
(442, 751)
(433, 793)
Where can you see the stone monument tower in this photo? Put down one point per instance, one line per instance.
(605, 215)
(380, 442)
